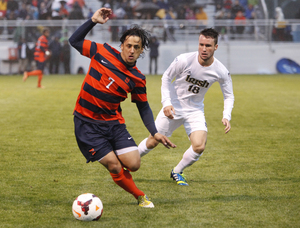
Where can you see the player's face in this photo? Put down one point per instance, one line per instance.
(206, 49)
(131, 49)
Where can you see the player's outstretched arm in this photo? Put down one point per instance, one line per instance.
(227, 125)
(101, 16)
(164, 140)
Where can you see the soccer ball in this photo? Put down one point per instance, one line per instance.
(47, 53)
(87, 207)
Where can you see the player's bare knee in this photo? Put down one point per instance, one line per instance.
(134, 167)
(114, 167)
(199, 148)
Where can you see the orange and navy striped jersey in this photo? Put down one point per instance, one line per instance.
(40, 48)
(107, 83)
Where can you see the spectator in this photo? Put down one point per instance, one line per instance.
(249, 11)
(12, 7)
(90, 13)
(55, 49)
(190, 15)
(34, 3)
(23, 13)
(128, 9)
(169, 14)
(244, 3)
(44, 13)
(227, 5)
(76, 12)
(65, 56)
(250, 15)
(63, 12)
(200, 14)
(181, 12)
(3, 9)
(221, 15)
(240, 21)
(55, 7)
(162, 4)
(236, 8)
(169, 29)
(219, 3)
(11, 15)
(81, 3)
(24, 52)
(280, 25)
(153, 46)
(253, 2)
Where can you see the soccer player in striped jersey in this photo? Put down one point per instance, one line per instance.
(40, 57)
(184, 85)
(100, 128)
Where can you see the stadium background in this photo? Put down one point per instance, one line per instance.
(253, 52)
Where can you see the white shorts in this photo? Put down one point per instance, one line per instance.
(192, 122)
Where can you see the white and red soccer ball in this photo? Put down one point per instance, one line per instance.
(87, 207)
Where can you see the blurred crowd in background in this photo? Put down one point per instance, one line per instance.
(239, 11)
(123, 9)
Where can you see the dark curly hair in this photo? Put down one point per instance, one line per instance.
(210, 32)
(136, 30)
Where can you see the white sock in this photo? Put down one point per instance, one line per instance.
(189, 157)
(143, 150)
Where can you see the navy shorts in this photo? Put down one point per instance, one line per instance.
(40, 65)
(97, 140)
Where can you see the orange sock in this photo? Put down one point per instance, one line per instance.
(125, 181)
(40, 77)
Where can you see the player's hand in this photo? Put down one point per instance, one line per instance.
(164, 140)
(227, 125)
(169, 111)
(101, 16)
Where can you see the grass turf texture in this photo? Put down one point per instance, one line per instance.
(248, 178)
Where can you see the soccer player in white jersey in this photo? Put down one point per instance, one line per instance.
(184, 85)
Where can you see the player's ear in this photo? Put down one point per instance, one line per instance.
(216, 47)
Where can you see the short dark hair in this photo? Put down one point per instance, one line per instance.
(210, 32)
(139, 32)
(45, 29)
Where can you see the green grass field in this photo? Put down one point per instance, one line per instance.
(247, 178)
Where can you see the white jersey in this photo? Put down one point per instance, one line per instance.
(185, 83)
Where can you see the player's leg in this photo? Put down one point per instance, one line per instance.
(97, 147)
(150, 66)
(190, 156)
(195, 127)
(40, 66)
(127, 153)
(155, 65)
(119, 175)
(193, 153)
(147, 145)
(38, 72)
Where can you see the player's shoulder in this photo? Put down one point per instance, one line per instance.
(186, 58)
(219, 65)
(187, 55)
(109, 48)
(221, 69)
